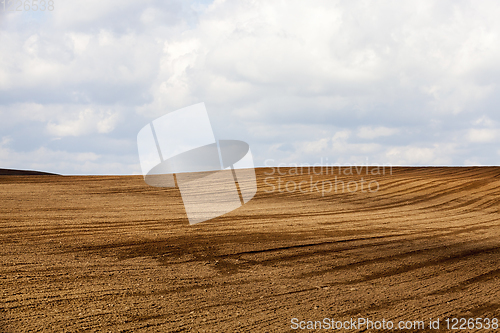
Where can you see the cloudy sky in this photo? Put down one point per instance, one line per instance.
(400, 82)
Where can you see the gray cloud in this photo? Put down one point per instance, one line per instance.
(390, 82)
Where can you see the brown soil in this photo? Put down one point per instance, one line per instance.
(113, 254)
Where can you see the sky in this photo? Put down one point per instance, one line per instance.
(349, 82)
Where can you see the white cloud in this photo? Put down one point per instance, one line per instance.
(86, 121)
(437, 154)
(294, 79)
(72, 163)
(482, 135)
(5, 141)
(341, 136)
(367, 132)
(80, 42)
(308, 49)
(484, 121)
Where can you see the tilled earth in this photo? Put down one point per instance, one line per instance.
(109, 253)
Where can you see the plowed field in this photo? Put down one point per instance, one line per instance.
(110, 253)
